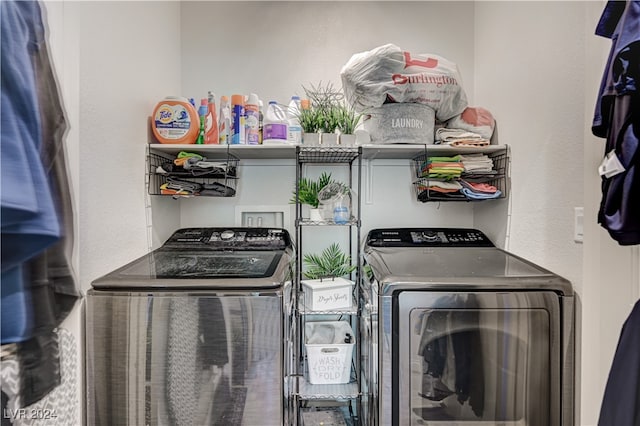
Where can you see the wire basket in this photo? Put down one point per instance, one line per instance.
(210, 175)
(428, 187)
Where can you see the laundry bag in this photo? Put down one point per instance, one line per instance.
(387, 74)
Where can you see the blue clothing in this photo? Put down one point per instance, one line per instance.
(620, 405)
(28, 217)
(617, 118)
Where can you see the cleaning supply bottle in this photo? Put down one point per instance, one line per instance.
(293, 113)
(252, 121)
(275, 125)
(211, 131)
(202, 114)
(260, 121)
(175, 121)
(237, 116)
(224, 125)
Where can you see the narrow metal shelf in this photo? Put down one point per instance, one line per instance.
(307, 391)
(327, 154)
(327, 222)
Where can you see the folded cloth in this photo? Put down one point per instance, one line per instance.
(480, 195)
(474, 119)
(455, 186)
(457, 137)
(479, 187)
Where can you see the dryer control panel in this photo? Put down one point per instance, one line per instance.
(230, 239)
(427, 237)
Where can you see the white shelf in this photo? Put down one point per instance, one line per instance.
(369, 151)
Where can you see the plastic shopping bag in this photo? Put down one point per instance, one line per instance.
(389, 74)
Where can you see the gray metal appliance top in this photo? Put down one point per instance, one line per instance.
(459, 258)
(205, 258)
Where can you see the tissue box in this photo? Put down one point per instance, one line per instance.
(327, 294)
(401, 123)
(328, 353)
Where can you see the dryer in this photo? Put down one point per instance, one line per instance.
(459, 332)
(194, 332)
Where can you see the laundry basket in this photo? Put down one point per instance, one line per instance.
(329, 346)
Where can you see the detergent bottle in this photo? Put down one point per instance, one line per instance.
(252, 120)
(211, 131)
(175, 121)
(293, 113)
(224, 125)
(275, 125)
(237, 116)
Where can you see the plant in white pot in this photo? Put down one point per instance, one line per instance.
(308, 190)
(324, 99)
(346, 121)
(325, 286)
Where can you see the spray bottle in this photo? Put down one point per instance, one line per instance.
(252, 121)
(202, 114)
(211, 131)
(237, 115)
(224, 125)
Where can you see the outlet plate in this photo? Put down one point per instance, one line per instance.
(264, 216)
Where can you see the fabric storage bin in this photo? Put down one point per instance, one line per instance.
(329, 346)
(327, 294)
(400, 123)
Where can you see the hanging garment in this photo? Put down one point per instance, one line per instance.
(617, 118)
(622, 392)
(38, 286)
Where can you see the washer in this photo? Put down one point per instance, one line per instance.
(459, 332)
(193, 333)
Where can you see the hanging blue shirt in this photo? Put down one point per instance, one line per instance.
(27, 214)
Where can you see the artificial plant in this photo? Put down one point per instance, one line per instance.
(331, 263)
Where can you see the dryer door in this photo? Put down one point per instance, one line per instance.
(479, 358)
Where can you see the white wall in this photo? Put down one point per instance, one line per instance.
(534, 65)
(129, 59)
(280, 47)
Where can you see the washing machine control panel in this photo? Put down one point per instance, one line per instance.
(230, 238)
(428, 237)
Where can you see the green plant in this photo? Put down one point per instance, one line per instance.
(311, 120)
(324, 100)
(346, 119)
(308, 190)
(332, 262)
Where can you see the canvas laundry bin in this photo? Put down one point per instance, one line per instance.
(400, 123)
(329, 346)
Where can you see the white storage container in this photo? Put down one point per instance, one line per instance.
(329, 346)
(327, 294)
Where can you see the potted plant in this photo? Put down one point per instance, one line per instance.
(308, 190)
(325, 286)
(323, 101)
(346, 121)
(311, 120)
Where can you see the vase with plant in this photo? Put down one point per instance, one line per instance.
(325, 286)
(308, 190)
(346, 120)
(324, 98)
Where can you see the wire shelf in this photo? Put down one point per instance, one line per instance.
(497, 177)
(327, 154)
(168, 179)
